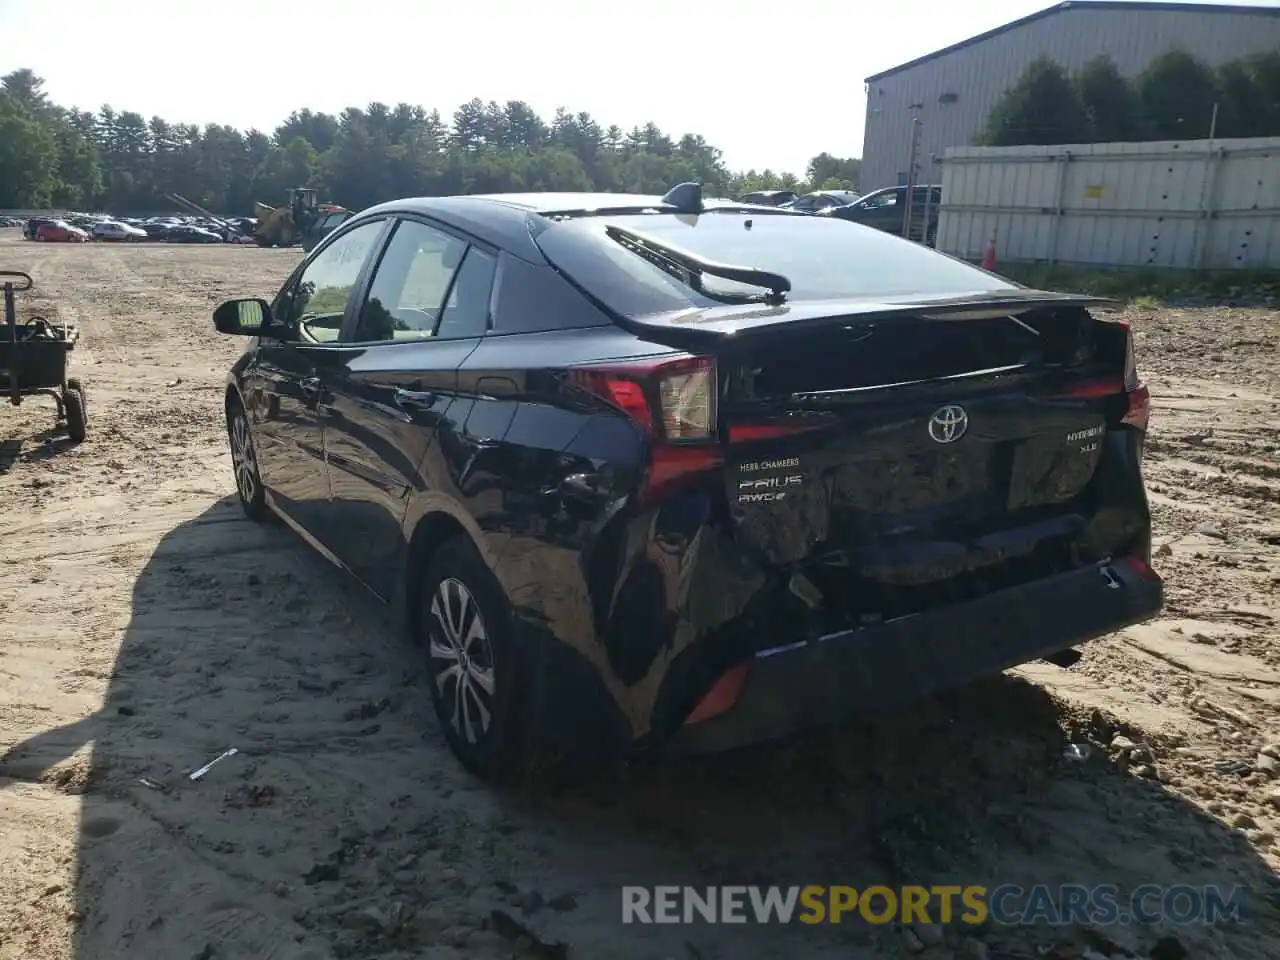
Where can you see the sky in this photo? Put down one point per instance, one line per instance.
(770, 84)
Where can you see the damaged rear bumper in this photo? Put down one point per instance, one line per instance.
(814, 682)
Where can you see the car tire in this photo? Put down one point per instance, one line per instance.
(244, 463)
(466, 628)
(76, 404)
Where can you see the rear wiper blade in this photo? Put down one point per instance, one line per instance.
(690, 269)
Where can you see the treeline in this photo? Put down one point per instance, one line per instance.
(1174, 98)
(52, 156)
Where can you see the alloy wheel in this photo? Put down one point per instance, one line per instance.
(463, 661)
(243, 461)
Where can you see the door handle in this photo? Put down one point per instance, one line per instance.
(414, 399)
(582, 487)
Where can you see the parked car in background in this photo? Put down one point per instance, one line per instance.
(885, 210)
(821, 200)
(158, 230)
(769, 198)
(186, 234)
(630, 484)
(59, 231)
(113, 230)
(32, 225)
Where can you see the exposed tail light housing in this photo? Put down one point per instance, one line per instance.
(673, 402)
(1139, 397)
(1138, 411)
(1130, 361)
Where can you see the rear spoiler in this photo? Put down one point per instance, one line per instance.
(715, 328)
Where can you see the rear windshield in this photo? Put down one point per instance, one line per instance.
(824, 259)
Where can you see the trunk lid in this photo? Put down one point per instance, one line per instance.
(713, 328)
(910, 444)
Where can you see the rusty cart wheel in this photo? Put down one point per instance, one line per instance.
(75, 404)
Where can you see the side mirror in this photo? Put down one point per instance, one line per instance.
(246, 317)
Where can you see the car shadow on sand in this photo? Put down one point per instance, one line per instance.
(342, 827)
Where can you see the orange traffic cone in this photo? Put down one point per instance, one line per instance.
(989, 255)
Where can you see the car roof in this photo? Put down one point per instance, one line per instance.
(502, 219)
(903, 186)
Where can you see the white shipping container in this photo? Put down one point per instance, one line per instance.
(953, 90)
(1211, 204)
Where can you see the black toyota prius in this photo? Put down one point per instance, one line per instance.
(646, 471)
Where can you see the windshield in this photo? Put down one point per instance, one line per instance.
(824, 259)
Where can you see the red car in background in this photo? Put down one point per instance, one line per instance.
(60, 232)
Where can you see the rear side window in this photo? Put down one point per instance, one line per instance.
(466, 312)
(825, 259)
(409, 284)
(535, 298)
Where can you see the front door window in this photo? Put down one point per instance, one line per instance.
(428, 284)
(313, 309)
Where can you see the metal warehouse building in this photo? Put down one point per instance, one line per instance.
(953, 89)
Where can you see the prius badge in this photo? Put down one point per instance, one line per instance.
(948, 424)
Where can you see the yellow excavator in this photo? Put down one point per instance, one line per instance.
(300, 220)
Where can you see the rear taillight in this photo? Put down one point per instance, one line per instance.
(1138, 409)
(1140, 566)
(1130, 362)
(721, 697)
(673, 402)
(687, 399)
(1138, 413)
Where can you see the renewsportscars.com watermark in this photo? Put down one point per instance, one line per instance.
(1007, 905)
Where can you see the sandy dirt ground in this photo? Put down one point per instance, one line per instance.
(146, 627)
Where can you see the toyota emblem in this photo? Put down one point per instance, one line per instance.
(948, 424)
